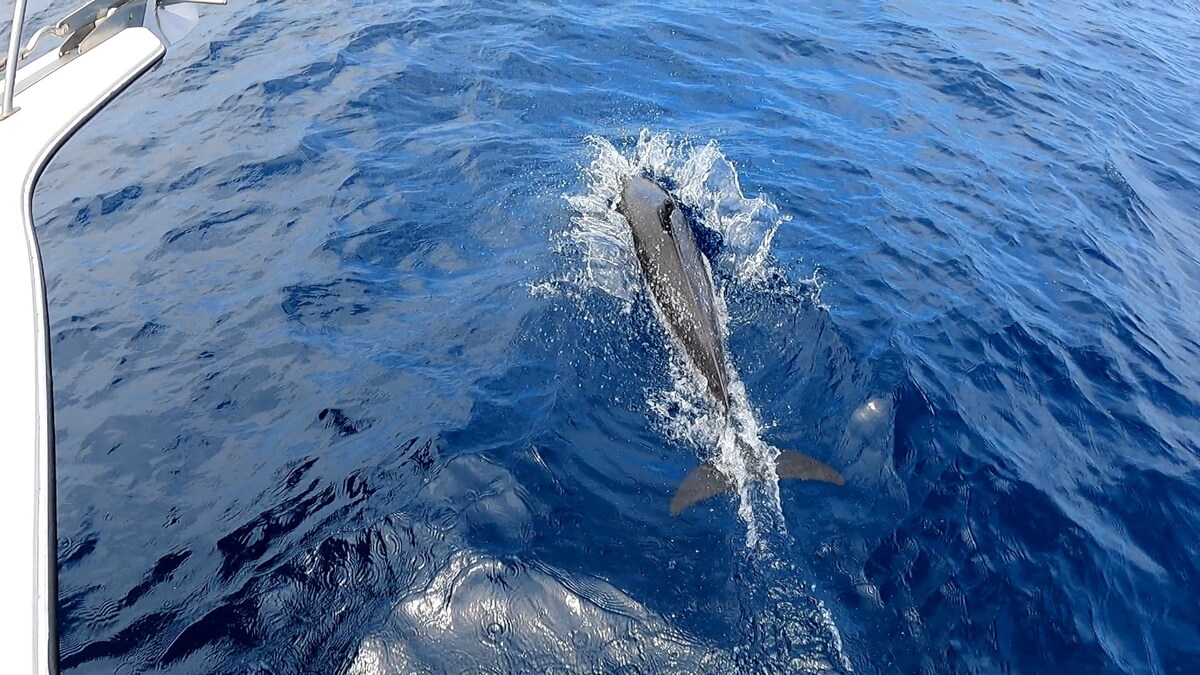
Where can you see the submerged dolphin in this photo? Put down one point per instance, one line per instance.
(680, 281)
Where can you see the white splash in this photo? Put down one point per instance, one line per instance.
(702, 178)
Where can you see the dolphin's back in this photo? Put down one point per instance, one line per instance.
(678, 277)
(680, 281)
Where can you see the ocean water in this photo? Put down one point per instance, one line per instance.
(354, 372)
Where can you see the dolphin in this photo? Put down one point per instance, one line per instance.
(679, 279)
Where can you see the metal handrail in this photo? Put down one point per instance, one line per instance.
(10, 69)
(81, 21)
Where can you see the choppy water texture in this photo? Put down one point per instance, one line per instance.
(353, 372)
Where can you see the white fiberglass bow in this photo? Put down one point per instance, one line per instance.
(107, 44)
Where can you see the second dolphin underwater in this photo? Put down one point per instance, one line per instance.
(679, 279)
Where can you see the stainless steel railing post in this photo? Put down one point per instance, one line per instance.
(10, 69)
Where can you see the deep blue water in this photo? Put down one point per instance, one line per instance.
(350, 376)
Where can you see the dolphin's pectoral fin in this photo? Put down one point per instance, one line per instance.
(701, 483)
(799, 465)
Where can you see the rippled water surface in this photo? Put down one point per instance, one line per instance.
(354, 371)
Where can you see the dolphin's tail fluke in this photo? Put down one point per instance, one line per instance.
(701, 483)
(799, 465)
(707, 480)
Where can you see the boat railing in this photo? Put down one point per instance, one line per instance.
(14, 47)
(83, 27)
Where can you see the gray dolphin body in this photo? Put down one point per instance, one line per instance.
(680, 280)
